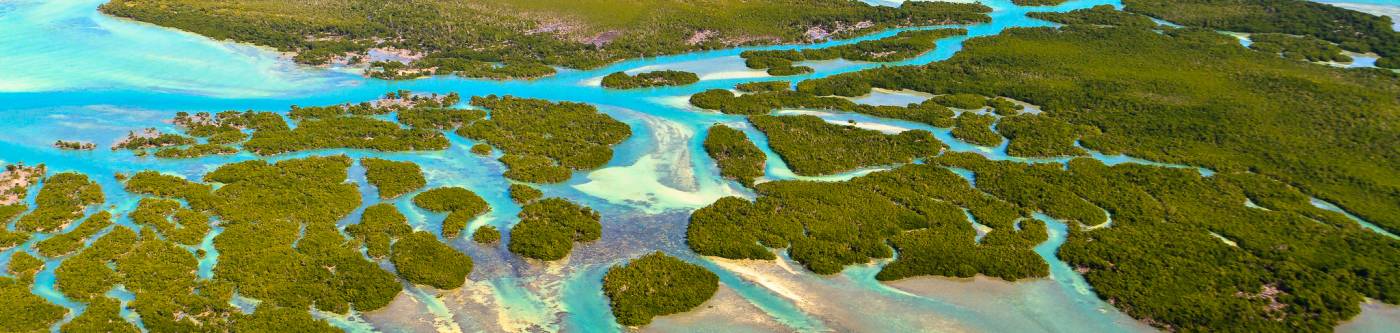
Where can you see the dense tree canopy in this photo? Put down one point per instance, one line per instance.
(543, 141)
(549, 227)
(656, 284)
(484, 38)
(737, 157)
(811, 146)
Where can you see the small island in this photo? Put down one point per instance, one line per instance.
(656, 285)
(74, 145)
(620, 80)
(393, 178)
(486, 235)
(549, 227)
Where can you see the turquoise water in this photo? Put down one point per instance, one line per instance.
(1389, 8)
(73, 74)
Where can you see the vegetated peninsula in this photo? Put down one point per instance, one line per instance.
(904, 45)
(1351, 30)
(352, 126)
(483, 38)
(1190, 96)
(737, 157)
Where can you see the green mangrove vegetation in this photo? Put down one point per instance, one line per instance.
(481, 149)
(1288, 266)
(1182, 251)
(60, 201)
(380, 225)
(1185, 96)
(74, 145)
(1042, 136)
(65, 243)
(811, 146)
(196, 150)
(977, 129)
(485, 38)
(1101, 15)
(549, 227)
(917, 208)
(620, 80)
(1038, 2)
(460, 204)
(438, 118)
(763, 86)
(283, 320)
(100, 315)
(961, 101)
(151, 138)
(655, 285)
(543, 141)
(765, 102)
(21, 310)
(737, 157)
(486, 234)
(1298, 47)
(280, 243)
(905, 45)
(173, 222)
(420, 258)
(344, 132)
(393, 178)
(1352, 30)
(524, 194)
